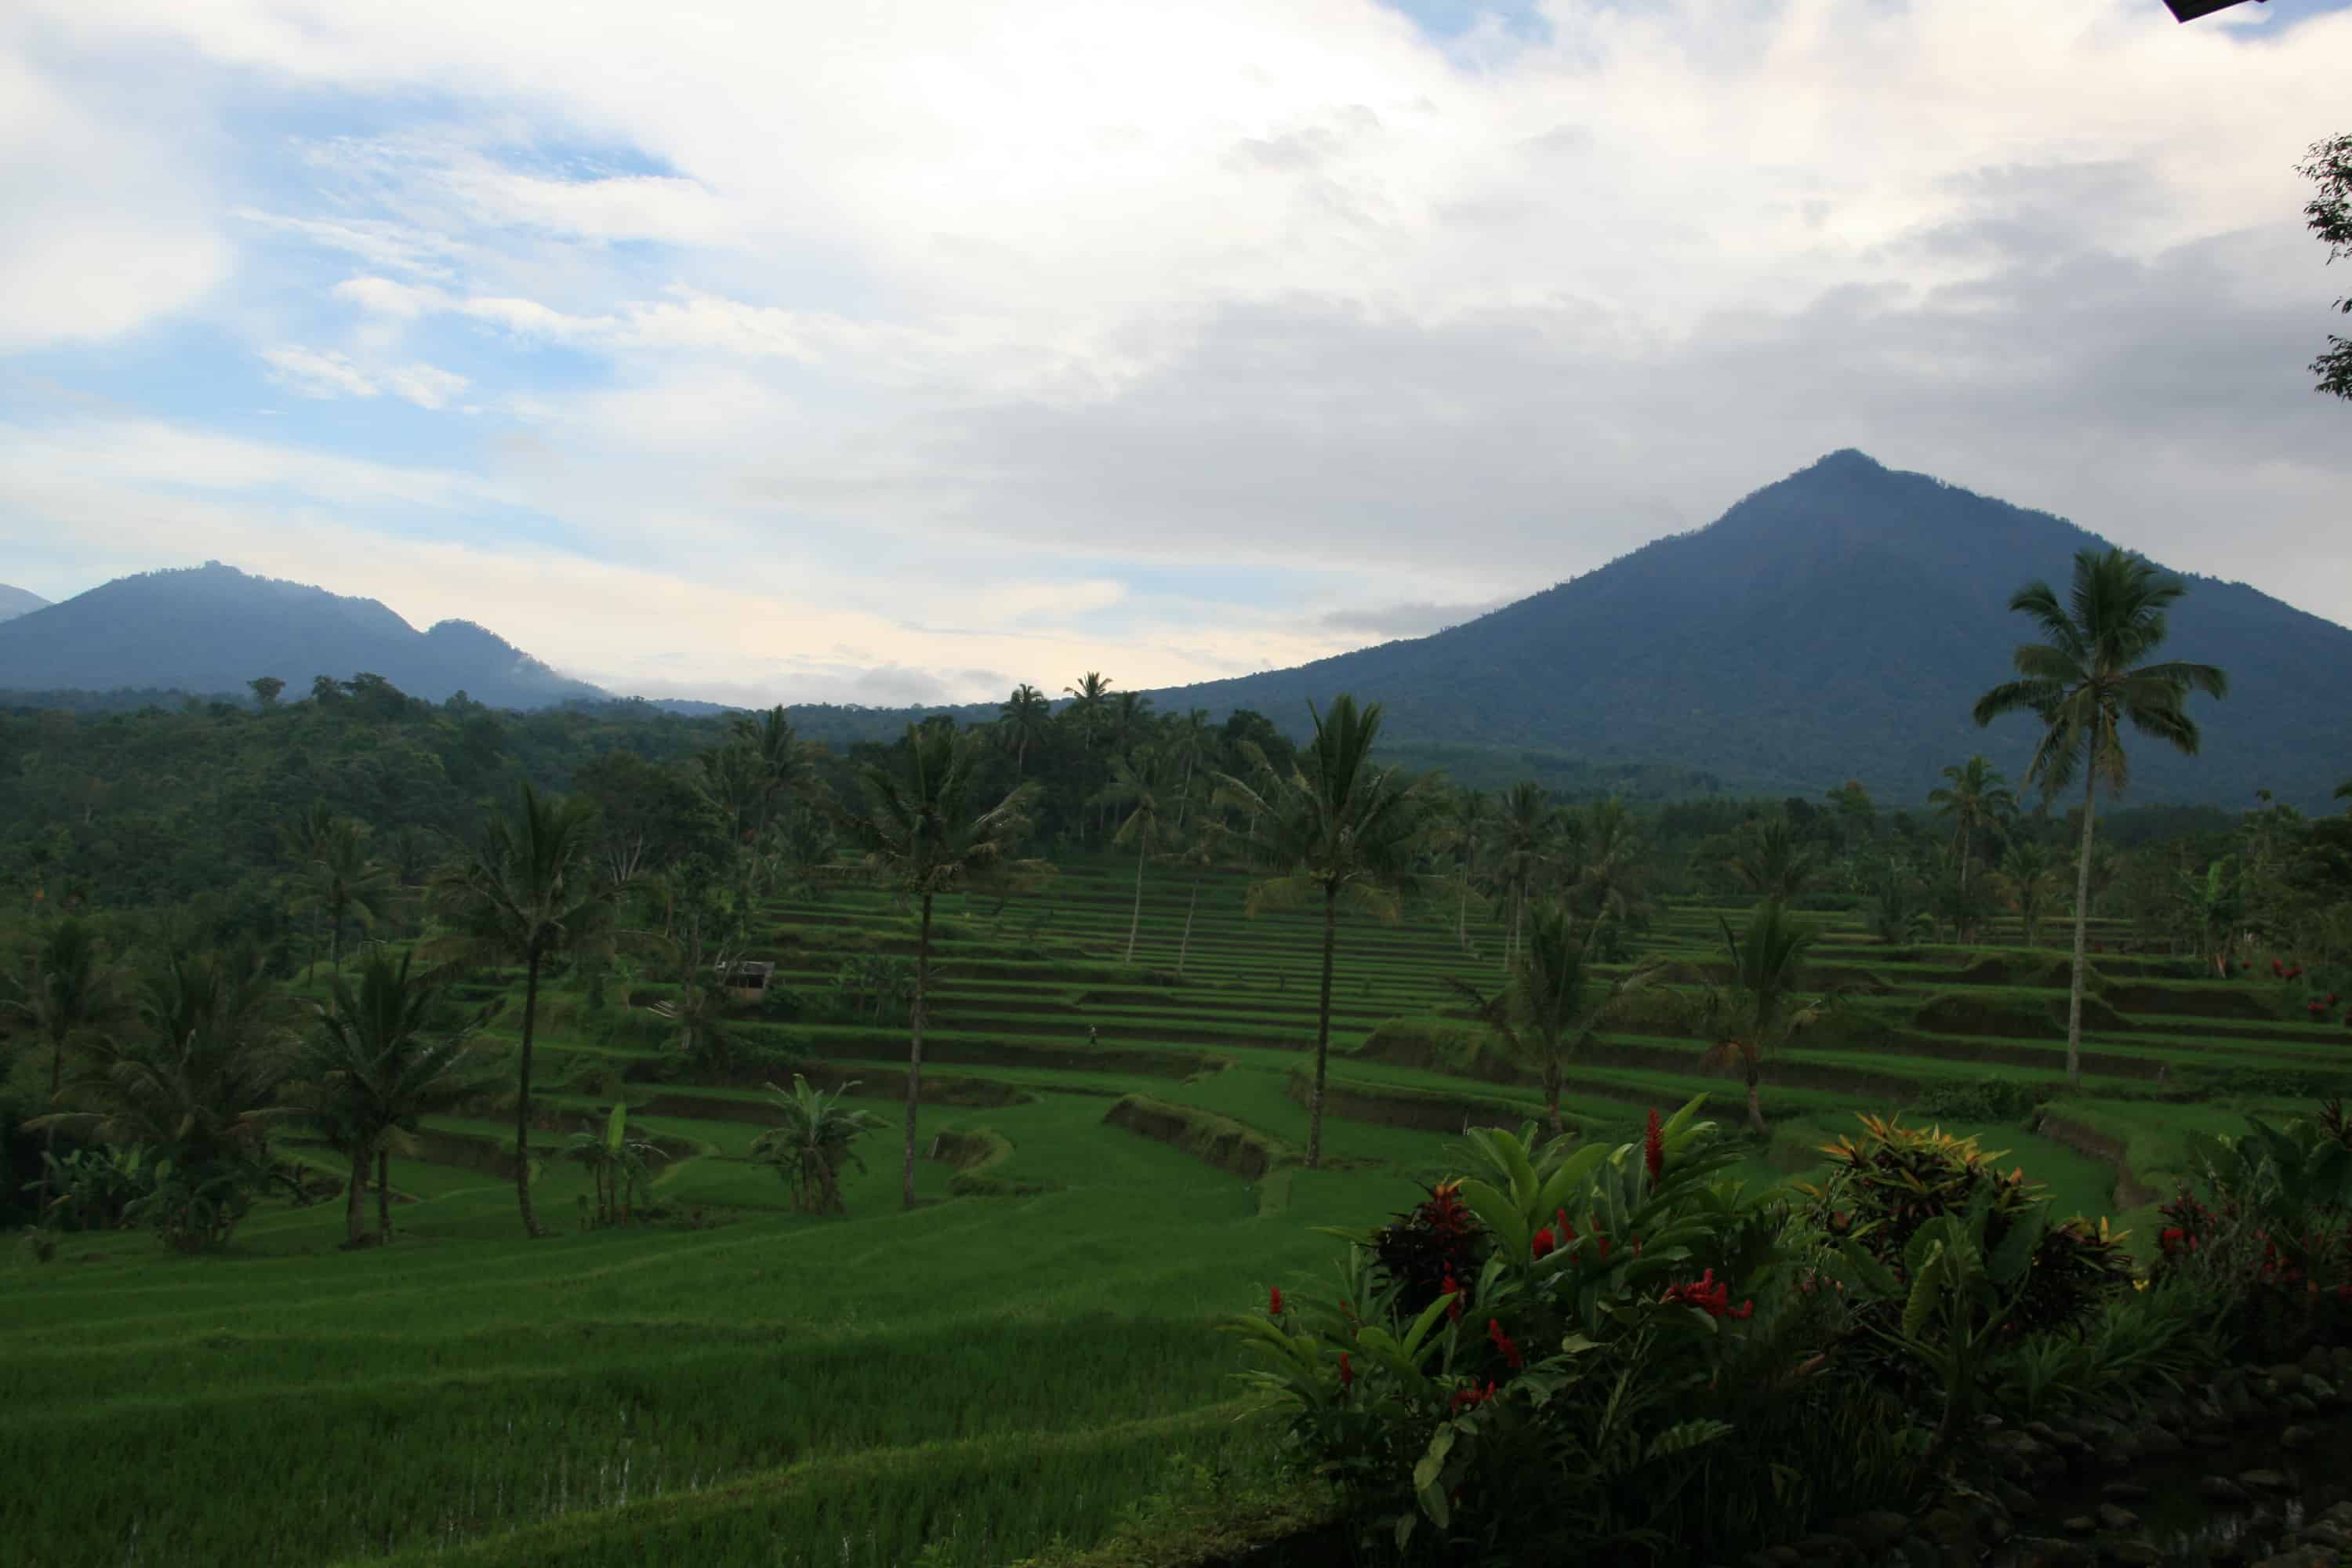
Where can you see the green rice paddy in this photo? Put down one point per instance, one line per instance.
(986, 1379)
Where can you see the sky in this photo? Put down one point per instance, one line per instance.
(899, 352)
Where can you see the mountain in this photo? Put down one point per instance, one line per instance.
(1837, 625)
(14, 602)
(212, 628)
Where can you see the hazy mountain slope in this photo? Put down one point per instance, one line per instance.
(213, 628)
(14, 602)
(1836, 625)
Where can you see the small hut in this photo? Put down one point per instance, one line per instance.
(746, 980)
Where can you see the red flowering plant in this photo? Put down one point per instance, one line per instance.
(2268, 1229)
(1615, 1289)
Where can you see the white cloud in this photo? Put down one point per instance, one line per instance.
(327, 373)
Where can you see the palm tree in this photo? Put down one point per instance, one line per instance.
(734, 781)
(69, 992)
(2031, 875)
(1891, 900)
(1090, 705)
(372, 1067)
(525, 892)
(195, 1085)
(1522, 834)
(1468, 826)
(344, 879)
(783, 763)
(923, 833)
(1200, 849)
(1760, 1010)
(1138, 782)
(1770, 861)
(1189, 742)
(1555, 998)
(816, 1137)
(2083, 684)
(1342, 828)
(1977, 798)
(2214, 904)
(1022, 722)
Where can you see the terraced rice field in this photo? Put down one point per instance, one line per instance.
(1019, 1367)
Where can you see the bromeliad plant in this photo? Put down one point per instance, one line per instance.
(2275, 1240)
(1614, 1292)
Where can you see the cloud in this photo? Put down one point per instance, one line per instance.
(315, 373)
(1009, 339)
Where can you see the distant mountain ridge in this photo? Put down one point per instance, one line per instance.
(213, 628)
(14, 602)
(1837, 625)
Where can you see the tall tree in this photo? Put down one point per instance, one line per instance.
(2030, 874)
(1192, 740)
(2329, 166)
(526, 891)
(783, 763)
(344, 880)
(71, 993)
(1762, 1005)
(265, 691)
(372, 1065)
(1140, 785)
(925, 831)
(2083, 683)
(1523, 833)
(1021, 723)
(1555, 998)
(1975, 799)
(1200, 849)
(1090, 704)
(1469, 826)
(1769, 860)
(1340, 829)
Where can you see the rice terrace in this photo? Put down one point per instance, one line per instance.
(1057, 787)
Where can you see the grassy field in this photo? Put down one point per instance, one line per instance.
(987, 1378)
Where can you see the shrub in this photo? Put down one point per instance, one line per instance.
(1617, 1326)
(2273, 1245)
(1888, 1184)
(1988, 1099)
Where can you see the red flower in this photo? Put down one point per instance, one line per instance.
(1471, 1398)
(1543, 1243)
(1505, 1344)
(1274, 1302)
(1453, 1288)
(2278, 969)
(1710, 1295)
(1347, 1371)
(1654, 1147)
(2295, 971)
(1567, 1231)
(2315, 1008)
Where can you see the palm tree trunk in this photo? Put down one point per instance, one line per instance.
(522, 1095)
(49, 1135)
(1462, 913)
(1186, 945)
(1322, 1030)
(1755, 1105)
(335, 940)
(915, 1043)
(355, 1199)
(1551, 1093)
(1135, 921)
(383, 1194)
(2082, 936)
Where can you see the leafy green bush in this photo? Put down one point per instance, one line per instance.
(2273, 1247)
(1988, 1099)
(1886, 1186)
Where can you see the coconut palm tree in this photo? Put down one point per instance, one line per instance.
(2029, 875)
(734, 782)
(528, 891)
(69, 993)
(194, 1084)
(1139, 783)
(2083, 684)
(1522, 834)
(1750, 1019)
(1021, 724)
(1770, 861)
(783, 763)
(1200, 849)
(341, 878)
(1090, 704)
(1977, 799)
(1191, 741)
(1891, 902)
(1469, 826)
(1607, 892)
(925, 832)
(1339, 829)
(814, 1137)
(1555, 998)
(373, 1065)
